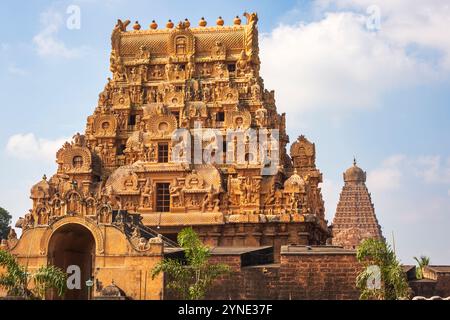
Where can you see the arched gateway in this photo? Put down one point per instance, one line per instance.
(72, 248)
(112, 252)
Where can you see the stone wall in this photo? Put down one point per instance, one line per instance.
(443, 286)
(305, 273)
(229, 287)
(441, 276)
(423, 288)
(319, 273)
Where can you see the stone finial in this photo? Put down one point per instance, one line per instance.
(169, 24)
(153, 25)
(187, 23)
(220, 22)
(354, 174)
(137, 26)
(202, 22)
(237, 21)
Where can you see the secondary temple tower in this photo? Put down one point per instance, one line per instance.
(355, 218)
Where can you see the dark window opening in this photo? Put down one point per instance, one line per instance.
(132, 120)
(162, 197)
(220, 116)
(163, 152)
(182, 67)
(171, 236)
(231, 67)
(249, 157)
(224, 147)
(121, 149)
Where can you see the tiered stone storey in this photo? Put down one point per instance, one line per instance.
(355, 218)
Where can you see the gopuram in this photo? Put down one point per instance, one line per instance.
(184, 134)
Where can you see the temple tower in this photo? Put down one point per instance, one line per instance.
(183, 134)
(355, 218)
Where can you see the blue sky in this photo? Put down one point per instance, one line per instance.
(379, 91)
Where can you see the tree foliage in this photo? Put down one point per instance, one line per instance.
(393, 282)
(17, 280)
(5, 221)
(190, 280)
(422, 262)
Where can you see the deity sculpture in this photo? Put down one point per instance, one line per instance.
(129, 182)
(151, 153)
(12, 235)
(211, 200)
(176, 194)
(147, 195)
(42, 217)
(104, 215)
(117, 67)
(56, 205)
(260, 117)
(242, 65)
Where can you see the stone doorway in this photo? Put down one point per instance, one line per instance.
(73, 245)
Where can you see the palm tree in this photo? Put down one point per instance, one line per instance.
(382, 267)
(191, 280)
(16, 280)
(422, 262)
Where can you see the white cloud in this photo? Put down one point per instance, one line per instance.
(427, 167)
(15, 70)
(410, 22)
(336, 63)
(28, 146)
(398, 170)
(432, 169)
(387, 176)
(46, 41)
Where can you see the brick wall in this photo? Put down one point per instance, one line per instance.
(305, 273)
(443, 285)
(248, 283)
(298, 276)
(440, 275)
(424, 288)
(318, 276)
(228, 287)
(261, 282)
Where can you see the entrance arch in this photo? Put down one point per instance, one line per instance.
(73, 244)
